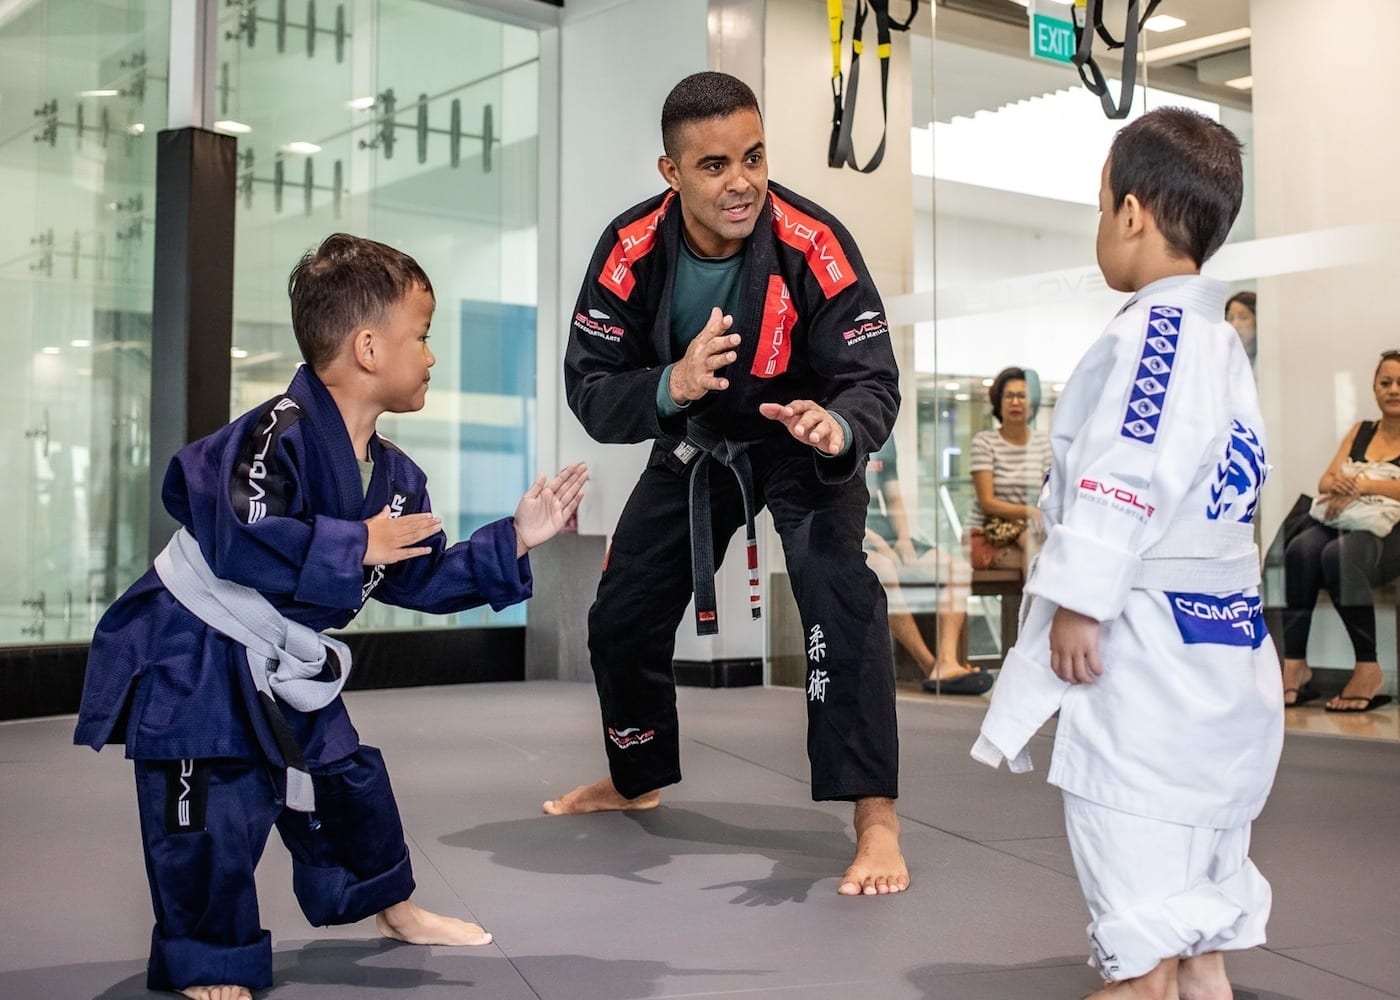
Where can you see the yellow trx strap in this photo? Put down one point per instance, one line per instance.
(840, 151)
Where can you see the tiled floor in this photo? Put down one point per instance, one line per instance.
(726, 891)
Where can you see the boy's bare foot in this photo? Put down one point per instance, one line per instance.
(879, 867)
(217, 993)
(412, 924)
(1203, 978)
(1159, 984)
(601, 796)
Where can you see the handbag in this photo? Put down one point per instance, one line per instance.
(995, 534)
(1376, 514)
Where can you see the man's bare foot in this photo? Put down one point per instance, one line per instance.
(601, 796)
(1159, 984)
(1203, 978)
(412, 924)
(1297, 675)
(217, 993)
(878, 868)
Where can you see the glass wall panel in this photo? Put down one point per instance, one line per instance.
(84, 94)
(415, 124)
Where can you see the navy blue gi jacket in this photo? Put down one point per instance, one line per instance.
(812, 323)
(276, 503)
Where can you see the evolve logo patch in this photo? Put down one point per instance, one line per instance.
(868, 326)
(1118, 497)
(397, 502)
(770, 359)
(1154, 374)
(1232, 620)
(254, 475)
(597, 323)
(186, 798)
(1234, 493)
(634, 242)
(817, 243)
(631, 737)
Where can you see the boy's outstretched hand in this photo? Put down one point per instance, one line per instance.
(809, 423)
(1074, 647)
(547, 506)
(391, 538)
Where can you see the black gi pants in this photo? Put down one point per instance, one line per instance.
(852, 742)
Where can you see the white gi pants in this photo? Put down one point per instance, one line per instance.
(1159, 890)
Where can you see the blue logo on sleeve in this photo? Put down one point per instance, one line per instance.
(1232, 620)
(1234, 493)
(1154, 374)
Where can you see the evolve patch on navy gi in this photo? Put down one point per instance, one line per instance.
(186, 796)
(1234, 492)
(1232, 620)
(260, 486)
(1149, 394)
(398, 507)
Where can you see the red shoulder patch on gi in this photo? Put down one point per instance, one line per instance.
(817, 243)
(634, 242)
(770, 359)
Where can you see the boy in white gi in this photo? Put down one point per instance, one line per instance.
(1144, 627)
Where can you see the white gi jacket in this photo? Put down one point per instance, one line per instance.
(1158, 458)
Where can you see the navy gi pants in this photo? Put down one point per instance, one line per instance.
(204, 824)
(852, 742)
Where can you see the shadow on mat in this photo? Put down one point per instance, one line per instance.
(1067, 977)
(805, 845)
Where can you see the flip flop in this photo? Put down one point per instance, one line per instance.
(1304, 694)
(973, 682)
(1375, 701)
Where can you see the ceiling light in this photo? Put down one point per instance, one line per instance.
(952, 386)
(1058, 387)
(1163, 22)
(136, 128)
(987, 383)
(99, 93)
(360, 104)
(233, 127)
(962, 397)
(237, 352)
(1206, 43)
(301, 148)
(1241, 82)
(52, 350)
(81, 343)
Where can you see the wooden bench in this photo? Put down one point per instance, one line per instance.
(1006, 584)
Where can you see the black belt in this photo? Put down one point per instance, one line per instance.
(703, 450)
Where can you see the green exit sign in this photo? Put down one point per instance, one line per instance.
(1052, 37)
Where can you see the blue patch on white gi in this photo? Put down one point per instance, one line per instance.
(1149, 396)
(1232, 620)
(1234, 492)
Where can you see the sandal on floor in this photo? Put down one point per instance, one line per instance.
(1303, 695)
(972, 682)
(1375, 701)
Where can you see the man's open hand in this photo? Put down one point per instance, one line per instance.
(809, 423)
(694, 375)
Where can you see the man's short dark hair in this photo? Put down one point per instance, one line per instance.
(998, 388)
(342, 285)
(701, 97)
(1185, 169)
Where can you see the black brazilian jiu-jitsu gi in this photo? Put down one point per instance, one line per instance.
(276, 503)
(813, 327)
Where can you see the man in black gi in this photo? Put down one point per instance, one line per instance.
(733, 323)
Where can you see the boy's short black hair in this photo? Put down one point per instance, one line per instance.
(700, 97)
(345, 283)
(1246, 299)
(1185, 169)
(998, 389)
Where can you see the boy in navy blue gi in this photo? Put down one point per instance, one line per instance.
(212, 668)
